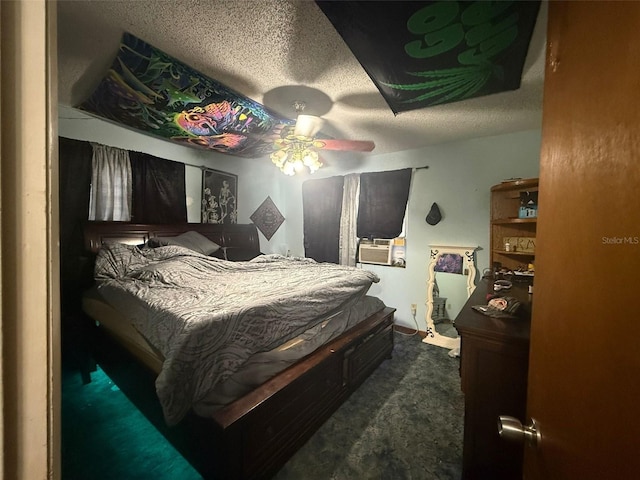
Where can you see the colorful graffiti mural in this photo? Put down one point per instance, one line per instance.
(147, 90)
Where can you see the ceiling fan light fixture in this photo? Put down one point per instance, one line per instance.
(312, 161)
(279, 157)
(310, 157)
(298, 166)
(288, 169)
(294, 156)
(307, 126)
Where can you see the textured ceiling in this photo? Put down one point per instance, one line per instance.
(279, 51)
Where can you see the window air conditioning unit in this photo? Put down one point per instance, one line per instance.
(377, 251)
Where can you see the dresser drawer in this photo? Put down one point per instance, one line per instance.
(361, 359)
(276, 432)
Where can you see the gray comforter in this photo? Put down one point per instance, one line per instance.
(208, 316)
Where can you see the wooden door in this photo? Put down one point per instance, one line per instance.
(584, 377)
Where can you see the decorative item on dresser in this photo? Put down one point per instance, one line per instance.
(254, 434)
(494, 355)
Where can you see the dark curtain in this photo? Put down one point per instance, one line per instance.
(159, 194)
(382, 204)
(73, 194)
(322, 206)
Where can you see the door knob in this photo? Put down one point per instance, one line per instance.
(511, 429)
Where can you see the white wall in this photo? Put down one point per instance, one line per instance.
(458, 179)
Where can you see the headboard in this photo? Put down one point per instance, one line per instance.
(230, 236)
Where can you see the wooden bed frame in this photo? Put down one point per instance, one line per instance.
(254, 436)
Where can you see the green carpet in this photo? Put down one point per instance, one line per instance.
(104, 436)
(404, 422)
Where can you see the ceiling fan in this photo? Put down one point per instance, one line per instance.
(298, 146)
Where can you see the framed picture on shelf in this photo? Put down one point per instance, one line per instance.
(219, 197)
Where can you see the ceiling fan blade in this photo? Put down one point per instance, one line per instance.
(307, 125)
(345, 145)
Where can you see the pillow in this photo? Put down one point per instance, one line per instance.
(191, 240)
(117, 260)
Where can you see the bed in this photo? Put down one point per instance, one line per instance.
(247, 432)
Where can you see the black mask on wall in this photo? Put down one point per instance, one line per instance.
(434, 215)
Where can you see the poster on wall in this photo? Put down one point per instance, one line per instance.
(425, 53)
(149, 91)
(267, 218)
(219, 197)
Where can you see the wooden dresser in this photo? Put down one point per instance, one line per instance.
(494, 359)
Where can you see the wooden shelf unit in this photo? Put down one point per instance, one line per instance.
(505, 203)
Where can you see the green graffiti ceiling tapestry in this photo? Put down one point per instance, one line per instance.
(147, 90)
(421, 54)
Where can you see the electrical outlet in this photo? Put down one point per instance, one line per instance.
(414, 309)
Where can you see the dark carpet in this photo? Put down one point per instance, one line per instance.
(404, 422)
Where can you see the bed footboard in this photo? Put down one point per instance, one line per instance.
(255, 436)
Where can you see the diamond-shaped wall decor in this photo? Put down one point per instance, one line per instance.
(267, 218)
